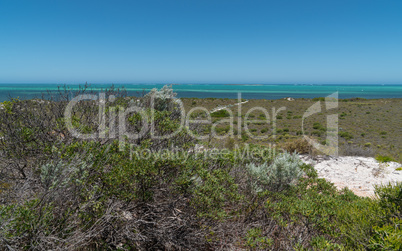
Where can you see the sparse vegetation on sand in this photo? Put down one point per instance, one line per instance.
(360, 121)
(59, 192)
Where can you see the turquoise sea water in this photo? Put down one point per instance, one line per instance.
(248, 91)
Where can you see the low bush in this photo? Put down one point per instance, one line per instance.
(283, 172)
(346, 135)
(297, 145)
(256, 240)
(316, 133)
(222, 130)
(220, 114)
(338, 220)
(318, 126)
(388, 234)
(383, 159)
(319, 99)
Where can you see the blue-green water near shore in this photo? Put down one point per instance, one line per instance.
(248, 91)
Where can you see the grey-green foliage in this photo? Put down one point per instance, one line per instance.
(59, 174)
(50, 173)
(164, 99)
(283, 172)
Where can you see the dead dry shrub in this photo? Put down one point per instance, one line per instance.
(299, 145)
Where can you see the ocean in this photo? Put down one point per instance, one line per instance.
(248, 91)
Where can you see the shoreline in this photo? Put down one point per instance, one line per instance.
(230, 91)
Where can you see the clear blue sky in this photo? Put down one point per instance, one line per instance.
(189, 41)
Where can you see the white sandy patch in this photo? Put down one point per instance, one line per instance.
(359, 174)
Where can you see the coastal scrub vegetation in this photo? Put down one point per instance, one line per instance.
(359, 121)
(61, 192)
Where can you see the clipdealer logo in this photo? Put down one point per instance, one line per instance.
(118, 114)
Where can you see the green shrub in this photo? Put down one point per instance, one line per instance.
(319, 99)
(321, 243)
(256, 240)
(346, 135)
(317, 133)
(220, 114)
(383, 159)
(283, 172)
(222, 130)
(29, 221)
(212, 191)
(388, 235)
(340, 219)
(318, 126)
(390, 198)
